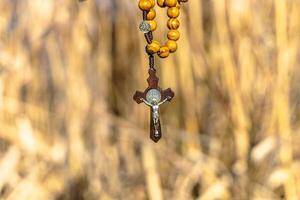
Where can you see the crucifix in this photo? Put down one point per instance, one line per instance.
(154, 96)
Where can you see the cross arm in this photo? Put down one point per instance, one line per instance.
(139, 96)
(167, 94)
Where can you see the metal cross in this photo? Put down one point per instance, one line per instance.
(153, 97)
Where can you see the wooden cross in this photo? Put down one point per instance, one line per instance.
(154, 96)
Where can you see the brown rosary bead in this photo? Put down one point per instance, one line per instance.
(145, 5)
(171, 3)
(173, 23)
(172, 45)
(161, 3)
(173, 12)
(151, 14)
(153, 25)
(152, 3)
(153, 47)
(163, 52)
(173, 35)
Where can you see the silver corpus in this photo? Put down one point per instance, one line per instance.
(155, 112)
(153, 100)
(155, 115)
(145, 27)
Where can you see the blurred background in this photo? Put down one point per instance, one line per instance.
(69, 128)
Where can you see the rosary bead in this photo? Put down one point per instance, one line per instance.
(170, 3)
(153, 25)
(151, 14)
(173, 12)
(153, 47)
(163, 52)
(152, 3)
(161, 3)
(145, 5)
(173, 35)
(173, 23)
(172, 45)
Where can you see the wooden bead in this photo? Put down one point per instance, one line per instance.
(151, 14)
(153, 47)
(152, 3)
(173, 12)
(161, 3)
(171, 3)
(163, 52)
(173, 23)
(153, 25)
(173, 35)
(172, 45)
(145, 5)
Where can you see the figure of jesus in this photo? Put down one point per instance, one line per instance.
(154, 104)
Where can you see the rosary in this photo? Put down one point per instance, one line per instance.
(154, 96)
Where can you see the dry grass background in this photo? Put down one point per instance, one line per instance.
(69, 128)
